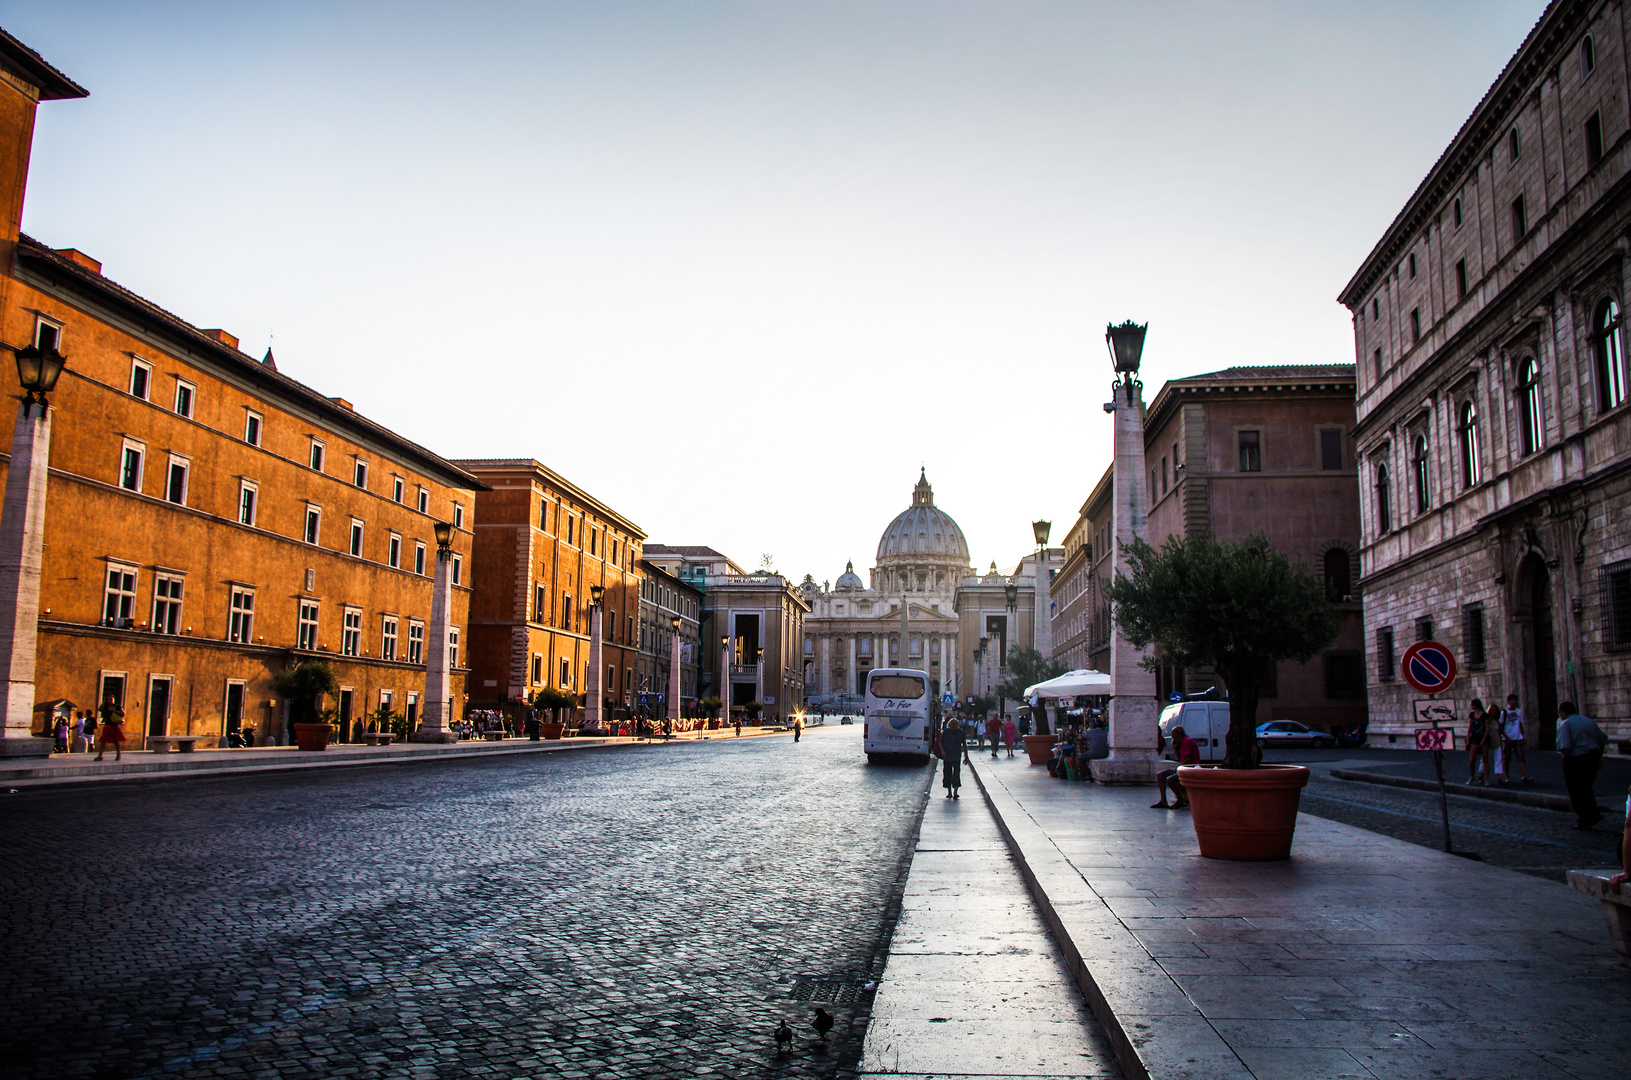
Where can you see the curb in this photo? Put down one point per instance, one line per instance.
(1523, 798)
(1159, 1033)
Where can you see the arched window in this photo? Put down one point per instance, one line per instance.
(1467, 429)
(1610, 356)
(1418, 465)
(1588, 56)
(1384, 501)
(1531, 429)
(1337, 575)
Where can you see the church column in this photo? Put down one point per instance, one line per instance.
(849, 673)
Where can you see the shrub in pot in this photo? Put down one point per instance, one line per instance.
(1240, 607)
(303, 686)
(554, 700)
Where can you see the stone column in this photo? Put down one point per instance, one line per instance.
(1042, 625)
(1132, 712)
(22, 542)
(674, 693)
(849, 674)
(435, 712)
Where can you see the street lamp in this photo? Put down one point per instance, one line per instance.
(436, 714)
(22, 547)
(594, 701)
(444, 538)
(725, 675)
(1011, 591)
(673, 710)
(1041, 628)
(1126, 344)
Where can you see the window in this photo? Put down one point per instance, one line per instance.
(393, 551)
(359, 474)
(1472, 635)
(1384, 654)
(594, 537)
(566, 672)
(543, 516)
(566, 611)
(387, 638)
(1418, 468)
(1164, 476)
(1412, 264)
(1513, 146)
(1588, 56)
(537, 669)
(1376, 306)
(424, 501)
(355, 544)
(1614, 589)
(398, 488)
(1344, 675)
(1415, 325)
(314, 518)
(241, 616)
(1251, 451)
(351, 632)
(316, 455)
(1377, 359)
(1338, 575)
(1455, 211)
(1424, 628)
(1461, 279)
(119, 600)
(175, 484)
(458, 569)
(418, 557)
(453, 648)
(458, 516)
(246, 502)
(141, 376)
(1330, 449)
(1520, 219)
(1610, 357)
(1594, 139)
(184, 398)
(571, 522)
(539, 603)
(1467, 436)
(166, 604)
(416, 642)
(1530, 425)
(130, 466)
(47, 335)
(1384, 500)
(252, 428)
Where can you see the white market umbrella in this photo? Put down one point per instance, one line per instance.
(1071, 684)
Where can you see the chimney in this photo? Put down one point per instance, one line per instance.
(343, 403)
(81, 258)
(222, 336)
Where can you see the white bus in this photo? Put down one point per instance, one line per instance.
(895, 717)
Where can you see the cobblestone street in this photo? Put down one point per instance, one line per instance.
(639, 912)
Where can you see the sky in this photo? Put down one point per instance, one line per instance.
(740, 269)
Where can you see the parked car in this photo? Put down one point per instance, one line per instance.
(846, 720)
(1291, 733)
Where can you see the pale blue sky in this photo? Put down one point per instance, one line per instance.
(792, 250)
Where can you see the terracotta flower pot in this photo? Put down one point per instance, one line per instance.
(1246, 814)
(1039, 747)
(312, 736)
(551, 731)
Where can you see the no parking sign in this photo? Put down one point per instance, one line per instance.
(1429, 667)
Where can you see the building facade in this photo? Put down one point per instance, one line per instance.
(1493, 428)
(664, 597)
(1081, 611)
(209, 521)
(542, 544)
(752, 629)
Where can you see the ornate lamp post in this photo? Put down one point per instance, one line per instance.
(437, 712)
(1132, 702)
(1041, 623)
(22, 546)
(725, 675)
(673, 711)
(594, 698)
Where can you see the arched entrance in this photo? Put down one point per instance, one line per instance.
(1538, 684)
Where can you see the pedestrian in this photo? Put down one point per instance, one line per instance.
(1512, 738)
(59, 732)
(1581, 742)
(1478, 739)
(1187, 752)
(1008, 734)
(993, 731)
(798, 728)
(76, 734)
(90, 729)
(113, 731)
(737, 719)
(953, 752)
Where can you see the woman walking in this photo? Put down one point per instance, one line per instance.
(953, 750)
(1009, 735)
(1478, 740)
(113, 730)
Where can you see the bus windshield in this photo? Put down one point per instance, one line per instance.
(901, 687)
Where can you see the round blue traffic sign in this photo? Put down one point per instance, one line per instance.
(1429, 667)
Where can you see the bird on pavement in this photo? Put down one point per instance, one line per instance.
(822, 1022)
(784, 1037)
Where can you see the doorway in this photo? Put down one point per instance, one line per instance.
(1540, 655)
(158, 705)
(347, 694)
(234, 708)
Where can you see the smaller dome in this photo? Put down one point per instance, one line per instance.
(848, 580)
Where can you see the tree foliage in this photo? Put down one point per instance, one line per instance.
(302, 684)
(1239, 607)
(1027, 667)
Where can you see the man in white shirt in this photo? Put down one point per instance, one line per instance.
(1512, 739)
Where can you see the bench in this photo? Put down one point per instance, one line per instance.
(378, 738)
(492, 736)
(160, 744)
(1616, 900)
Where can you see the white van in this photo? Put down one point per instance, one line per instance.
(1207, 722)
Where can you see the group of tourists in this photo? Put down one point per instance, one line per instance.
(77, 732)
(1495, 742)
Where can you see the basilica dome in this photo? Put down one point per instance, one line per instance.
(923, 533)
(849, 579)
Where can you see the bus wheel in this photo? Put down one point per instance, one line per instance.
(872, 759)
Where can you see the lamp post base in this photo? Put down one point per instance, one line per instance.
(424, 736)
(26, 746)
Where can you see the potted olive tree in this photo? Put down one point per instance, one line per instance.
(302, 686)
(553, 700)
(1239, 607)
(1027, 667)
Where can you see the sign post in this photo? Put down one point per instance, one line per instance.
(1431, 669)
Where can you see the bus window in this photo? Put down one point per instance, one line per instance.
(900, 687)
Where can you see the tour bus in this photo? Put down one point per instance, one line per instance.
(895, 716)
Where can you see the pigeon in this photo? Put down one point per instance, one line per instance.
(822, 1022)
(784, 1037)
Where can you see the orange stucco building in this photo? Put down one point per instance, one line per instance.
(210, 521)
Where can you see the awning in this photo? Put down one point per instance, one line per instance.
(1071, 684)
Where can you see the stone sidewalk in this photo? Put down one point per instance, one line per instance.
(974, 985)
(1415, 770)
(64, 769)
(1360, 957)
